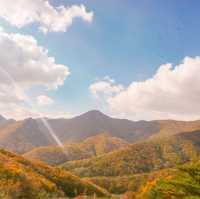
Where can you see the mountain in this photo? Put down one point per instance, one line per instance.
(26, 135)
(2, 119)
(23, 136)
(95, 122)
(92, 146)
(23, 179)
(130, 156)
(141, 157)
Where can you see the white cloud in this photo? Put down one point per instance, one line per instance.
(56, 115)
(173, 92)
(25, 65)
(44, 100)
(19, 112)
(50, 19)
(105, 87)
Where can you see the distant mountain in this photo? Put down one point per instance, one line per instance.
(21, 178)
(23, 136)
(92, 146)
(141, 157)
(95, 122)
(2, 119)
(172, 127)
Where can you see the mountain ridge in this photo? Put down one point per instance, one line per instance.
(35, 132)
(25, 135)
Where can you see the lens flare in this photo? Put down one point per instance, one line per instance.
(29, 102)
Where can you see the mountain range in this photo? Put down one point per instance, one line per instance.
(23, 136)
(41, 134)
(98, 154)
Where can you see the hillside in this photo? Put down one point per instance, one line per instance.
(182, 183)
(121, 184)
(92, 146)
(138, 184)
(23, 136)
(172, 127)
(55, 155)
(103, 143)
(24, 179)
(141, 157)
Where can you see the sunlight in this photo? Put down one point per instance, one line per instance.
(29, 102)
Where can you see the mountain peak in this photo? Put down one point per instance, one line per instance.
(94, 113)
(2, 118)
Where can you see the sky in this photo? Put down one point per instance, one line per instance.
(130, 59)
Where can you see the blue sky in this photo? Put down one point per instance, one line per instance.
(127, 41)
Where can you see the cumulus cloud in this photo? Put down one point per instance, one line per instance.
(44, 100)
(105, 87)
(25, 65)
(172, 93)
(50, 19)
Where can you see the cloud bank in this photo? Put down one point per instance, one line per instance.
(172, 93)
(50, 19)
